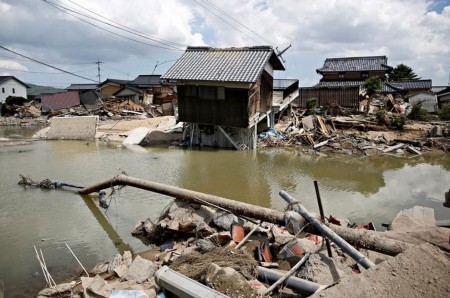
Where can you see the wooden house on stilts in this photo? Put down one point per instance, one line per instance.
(225, 94)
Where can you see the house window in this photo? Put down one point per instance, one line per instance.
(3, 89)
(221, 93)
(211, 93)
(14, 91)
(364, 75)
(341, 75)
(190, 91)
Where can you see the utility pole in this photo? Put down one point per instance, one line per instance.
(98, 69)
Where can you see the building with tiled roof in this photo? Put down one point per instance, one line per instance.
(12, 86)
(226, 91)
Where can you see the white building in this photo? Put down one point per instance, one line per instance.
(11, 86)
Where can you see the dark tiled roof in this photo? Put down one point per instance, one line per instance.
(371, 63)
(136, 90)
(4, 78)
(280, 84)
(82, 87)
(223, 65)
(114, 82)
(411, 85)
(146, 80)
(338, 84)
(60, 101)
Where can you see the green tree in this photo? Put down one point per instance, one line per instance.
(372, 85)
(402, 72)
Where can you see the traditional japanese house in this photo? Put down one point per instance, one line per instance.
(225, 93)
(342, 80)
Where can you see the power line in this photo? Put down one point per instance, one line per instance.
(68, 11)
(237, 21)
(134, 30)
(42, 72)
(48, 65)
(218, 16)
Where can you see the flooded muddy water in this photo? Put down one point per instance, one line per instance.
(360, 188)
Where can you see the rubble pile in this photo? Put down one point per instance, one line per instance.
(356, 134)
(207, 245)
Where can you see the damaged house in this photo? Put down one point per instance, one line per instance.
(342, 80)
(224, 94)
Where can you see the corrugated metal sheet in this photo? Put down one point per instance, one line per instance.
(354, 64)
(221, 65)
(426, 99)
(60, 101)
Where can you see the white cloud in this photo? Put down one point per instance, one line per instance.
(404, 30)
(12, 65)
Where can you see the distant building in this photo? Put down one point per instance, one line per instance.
(224, 94)
(12, 86)
(80, 88)
(342, 80)
(111, 86)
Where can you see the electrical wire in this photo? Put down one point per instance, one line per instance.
(48, 65)
(235, 20)
(42, 72)
(119, 24)
(71, 12)
(218, 16)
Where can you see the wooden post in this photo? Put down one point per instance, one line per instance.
(322, 216)
(347, 248)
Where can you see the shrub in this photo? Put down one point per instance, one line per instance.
(444, 112)
(418, 113)
(397, 122)
(381, 116)
(311, 105)
(15, 100)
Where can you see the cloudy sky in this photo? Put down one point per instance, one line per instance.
(132, 37)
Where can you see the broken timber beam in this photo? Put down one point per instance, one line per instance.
(367, 239)
(237, 208)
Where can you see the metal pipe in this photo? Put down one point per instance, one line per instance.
(237, 208)
(183, 286)
(322, 216)
(303, 286)
(327, 232)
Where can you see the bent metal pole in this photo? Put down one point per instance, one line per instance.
(237, 208)
(327, 232)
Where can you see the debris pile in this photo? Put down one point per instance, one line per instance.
(206, 246)
(355, 134)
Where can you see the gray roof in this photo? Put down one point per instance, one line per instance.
(223, 65)
(338, 84)
(371, 63)
(91, 99)
(114, 82)
(4, 78)
(82, 87)
(411, 85)
(146, 80)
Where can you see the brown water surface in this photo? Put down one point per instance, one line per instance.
(360, 188)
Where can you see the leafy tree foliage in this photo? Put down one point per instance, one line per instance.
(372, 85)
(402, 72)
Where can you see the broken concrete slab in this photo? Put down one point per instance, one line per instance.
(100, 287)
(140, 270)
(121, 270)
(115, 262)
(72, 128)
(136, 136)
(225, 219)
(57, 291)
